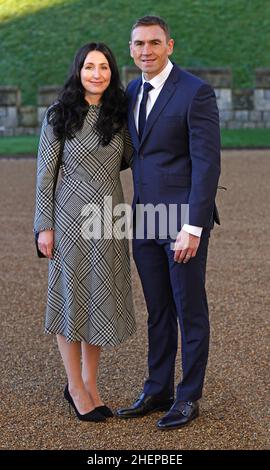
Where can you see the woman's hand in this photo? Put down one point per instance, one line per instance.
(46, 242)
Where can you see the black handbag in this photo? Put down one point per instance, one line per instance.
(39, 253)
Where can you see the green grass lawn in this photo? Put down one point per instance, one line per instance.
(239, 138)
(19, 145)
(245, 138)
(39, 38)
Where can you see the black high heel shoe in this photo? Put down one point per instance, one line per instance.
(105, 411)
(93, 415)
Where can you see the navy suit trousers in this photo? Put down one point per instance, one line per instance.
(175, 294)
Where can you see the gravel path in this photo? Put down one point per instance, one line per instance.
(235, 404)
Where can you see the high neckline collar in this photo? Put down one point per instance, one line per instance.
(94, 105)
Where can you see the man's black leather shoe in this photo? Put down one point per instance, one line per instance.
(146, 404)
(181, 413)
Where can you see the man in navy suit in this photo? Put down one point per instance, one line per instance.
(174, 126)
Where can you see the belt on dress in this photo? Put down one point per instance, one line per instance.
(84, 179)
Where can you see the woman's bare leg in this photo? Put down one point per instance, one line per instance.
(90, 363)
(71, 356)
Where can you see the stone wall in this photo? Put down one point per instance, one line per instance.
(239, 108)
(23, 120)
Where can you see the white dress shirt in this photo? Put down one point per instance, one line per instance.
(157, 83)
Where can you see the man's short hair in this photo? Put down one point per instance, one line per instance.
(151, 21)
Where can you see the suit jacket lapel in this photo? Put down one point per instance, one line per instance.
(132, 129)
(162, 99)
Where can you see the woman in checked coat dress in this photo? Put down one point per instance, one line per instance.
(89, 292)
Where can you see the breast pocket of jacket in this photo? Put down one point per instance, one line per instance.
(171, 120)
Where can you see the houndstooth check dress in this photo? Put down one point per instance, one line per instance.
(89, 288)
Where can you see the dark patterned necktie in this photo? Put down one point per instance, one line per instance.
(142, 114)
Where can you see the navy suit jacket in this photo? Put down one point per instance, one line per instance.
(178, 158)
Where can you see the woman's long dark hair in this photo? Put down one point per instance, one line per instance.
(68, 113)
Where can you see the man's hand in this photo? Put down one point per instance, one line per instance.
(186, 246)
(46, 242)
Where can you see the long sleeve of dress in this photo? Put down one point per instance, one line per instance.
(127, 158)
(48, 160)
